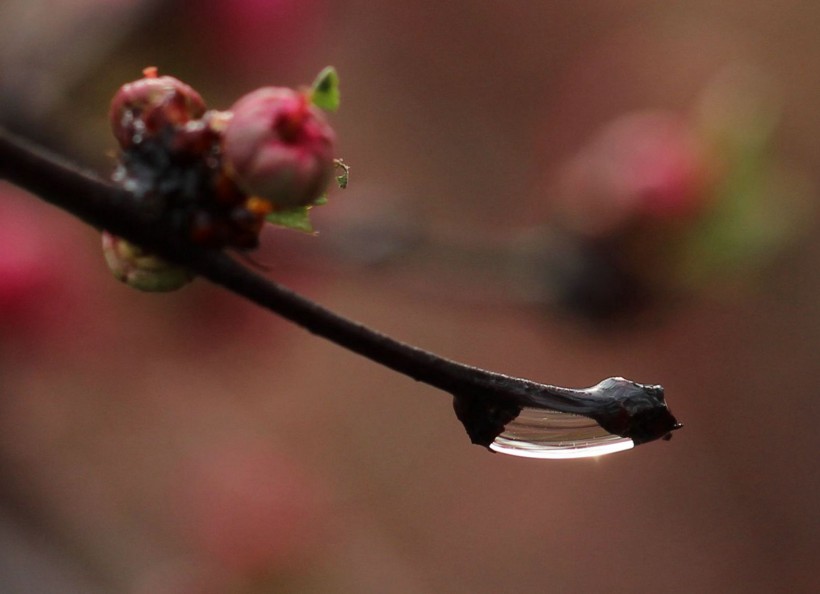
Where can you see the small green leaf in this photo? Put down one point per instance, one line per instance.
(325, 90)
(297, 219)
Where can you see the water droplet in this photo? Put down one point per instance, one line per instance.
(539, 433)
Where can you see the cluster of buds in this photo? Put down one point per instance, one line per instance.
(217, 175)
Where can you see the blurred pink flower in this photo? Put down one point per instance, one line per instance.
(36, 269)
(249, 508)
(643, 167)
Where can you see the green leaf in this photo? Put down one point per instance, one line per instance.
(325, 90)
(297, 219)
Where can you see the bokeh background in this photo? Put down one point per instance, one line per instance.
(190, 443)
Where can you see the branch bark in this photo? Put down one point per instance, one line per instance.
(492, 399)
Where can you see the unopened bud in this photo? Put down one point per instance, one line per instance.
(278, 146)
(140, 269)
(140, 109)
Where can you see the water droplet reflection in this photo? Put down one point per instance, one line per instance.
(538, 433)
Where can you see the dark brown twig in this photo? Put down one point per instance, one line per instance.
(485, 401)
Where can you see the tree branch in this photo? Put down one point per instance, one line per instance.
(485, 401)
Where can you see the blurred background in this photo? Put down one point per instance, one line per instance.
(562, 191)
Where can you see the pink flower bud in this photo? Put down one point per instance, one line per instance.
(279, 147)
(142, 108)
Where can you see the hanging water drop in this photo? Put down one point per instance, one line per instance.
(542, 421)
(548, 434)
